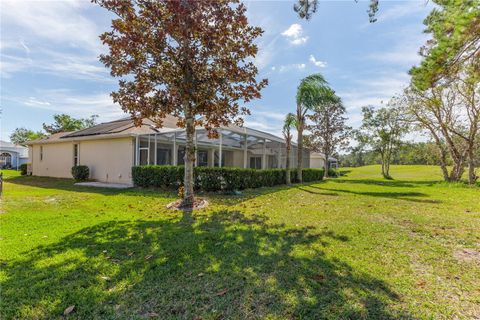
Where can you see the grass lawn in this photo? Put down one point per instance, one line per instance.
(348, 248)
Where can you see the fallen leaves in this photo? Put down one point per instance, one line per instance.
(221, 293)
(69, 310)
(150, 315)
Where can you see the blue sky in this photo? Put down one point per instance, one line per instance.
(49, 58)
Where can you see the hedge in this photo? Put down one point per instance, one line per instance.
(80, 173)
(215, 179)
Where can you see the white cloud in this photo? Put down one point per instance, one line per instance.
(373, 90)
(32, 102)
(34, 26)
(55, 63)
(72, 103)
(403, 52)
(10, 64)
(404, 9)
(299, 41)
(266, 52)
(57, 21)
(290, 67)
(294, 31)
(294, 34)
(318, 63)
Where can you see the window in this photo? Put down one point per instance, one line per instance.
(181, 156)
(202, 158)
(5, 159)
(144, 152)
(76, 155)
(256, 162)
(143, 156)
(217, 158)
(163, 156)
(41, 153)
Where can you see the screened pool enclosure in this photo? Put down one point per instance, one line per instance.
(235, 147)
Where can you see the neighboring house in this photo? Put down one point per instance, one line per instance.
(11, 155)
(111, 149)
(317, 160)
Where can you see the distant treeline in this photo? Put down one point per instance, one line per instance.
(425, 153)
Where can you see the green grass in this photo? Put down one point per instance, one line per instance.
(348, 248)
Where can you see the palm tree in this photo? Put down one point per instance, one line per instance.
(312, 92)
(288, 124)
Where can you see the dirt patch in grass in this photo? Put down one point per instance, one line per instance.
(467, 255)
(198, 203)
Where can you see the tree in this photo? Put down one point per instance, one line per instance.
(21, 135)
(312, 92)
(450, 122)
(288, 124)
(443, 95)
(191, 59)
(382, 130)
(306, 8)
(455, 29)
(66, 123)
(329, 131)
(468, 90)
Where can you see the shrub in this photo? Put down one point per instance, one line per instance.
(310, 175)
(80, 173)
(157, 176)
(215, 179)
(23, 169)
(332, 173)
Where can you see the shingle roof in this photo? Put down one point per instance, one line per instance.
(126, 127)
(103, 128)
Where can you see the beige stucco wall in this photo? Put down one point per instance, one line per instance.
(57, 160)
(109, 160)
(316, 162)
(236, 159)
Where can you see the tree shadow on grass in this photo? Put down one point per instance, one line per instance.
(68, 185)
(390, 183)
(407, 196)
(219, 266)
(306, 189)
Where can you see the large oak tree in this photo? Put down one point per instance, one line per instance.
(188, 58)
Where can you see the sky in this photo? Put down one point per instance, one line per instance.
(49, 58)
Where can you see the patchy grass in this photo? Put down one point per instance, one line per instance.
(355, 247)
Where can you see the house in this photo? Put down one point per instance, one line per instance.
(317, 160)
(11, 155)
(111, 149)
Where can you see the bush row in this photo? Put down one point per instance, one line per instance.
(215, 179)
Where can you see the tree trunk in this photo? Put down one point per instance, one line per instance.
(383, 165)
(443, 162)
(287, 166)
(300, 151)
(387, 168)
(472, 178)
(188, 182)
(457, 170)
(325, 166)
